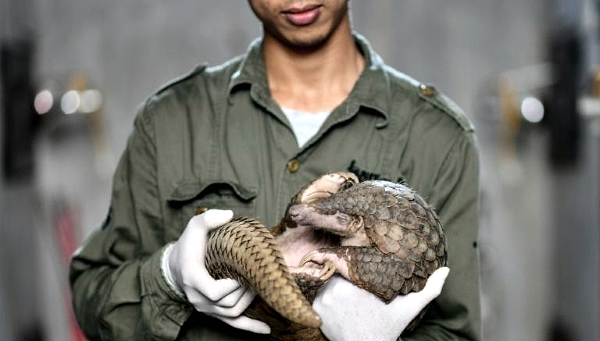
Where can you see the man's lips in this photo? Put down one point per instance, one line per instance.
(303, 16)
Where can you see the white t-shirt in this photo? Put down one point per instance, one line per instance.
(305, 124)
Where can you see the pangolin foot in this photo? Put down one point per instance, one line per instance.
(324, 264)
(324, 186)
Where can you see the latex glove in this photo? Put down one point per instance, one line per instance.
(184, 269)
(350, 313)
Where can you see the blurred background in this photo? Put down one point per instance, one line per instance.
(527, 72)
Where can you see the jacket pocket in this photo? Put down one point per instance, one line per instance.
(191, 197)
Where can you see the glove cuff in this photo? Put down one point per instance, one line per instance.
(166, 271)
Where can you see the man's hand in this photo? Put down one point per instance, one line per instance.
(350, 313)
(183, 264)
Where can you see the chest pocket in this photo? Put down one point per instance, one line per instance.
(190, 197)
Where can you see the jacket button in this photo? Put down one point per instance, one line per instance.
(427, 90)
(293, 165)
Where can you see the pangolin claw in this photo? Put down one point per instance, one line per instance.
(326, 266)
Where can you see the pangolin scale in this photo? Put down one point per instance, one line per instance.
(380, 235)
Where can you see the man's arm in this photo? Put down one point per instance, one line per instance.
(117, 286)
(455, 314)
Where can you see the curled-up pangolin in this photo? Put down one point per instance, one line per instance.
(379, 235)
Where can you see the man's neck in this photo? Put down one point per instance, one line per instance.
(315, 80)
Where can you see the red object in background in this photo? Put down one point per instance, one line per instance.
(64, 224)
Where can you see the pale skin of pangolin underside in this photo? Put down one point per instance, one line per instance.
(381, 236)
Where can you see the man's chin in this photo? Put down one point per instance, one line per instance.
(306, 43)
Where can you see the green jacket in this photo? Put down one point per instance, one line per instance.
(216, 139)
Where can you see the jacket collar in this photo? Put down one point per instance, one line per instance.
(367, 91)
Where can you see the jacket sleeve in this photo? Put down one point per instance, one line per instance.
(118, 290)
(455, 314)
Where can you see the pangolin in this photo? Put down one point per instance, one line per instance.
(380, 235)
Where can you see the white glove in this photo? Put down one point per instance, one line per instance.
(184, 269)
(350, 313)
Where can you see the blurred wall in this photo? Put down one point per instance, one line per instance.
(19, 316)
(126, 49)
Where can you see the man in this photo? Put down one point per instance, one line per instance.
(308, 98)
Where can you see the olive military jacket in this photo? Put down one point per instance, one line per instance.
(216, 139)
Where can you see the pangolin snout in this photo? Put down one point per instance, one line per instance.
(296, 213)
(306, 215)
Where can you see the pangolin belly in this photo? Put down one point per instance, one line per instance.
(380, 235)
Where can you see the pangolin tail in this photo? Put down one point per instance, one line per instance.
(246, 251)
